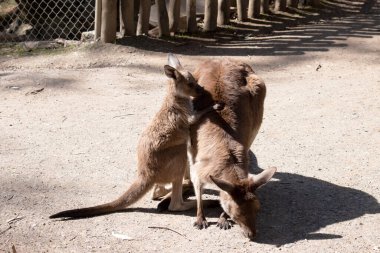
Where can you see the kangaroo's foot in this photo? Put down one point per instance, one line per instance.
(175, 199)
(201, 223)
(164, 204)
(162, 192)
(181, 206)
(223, 222)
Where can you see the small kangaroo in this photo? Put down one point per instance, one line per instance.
(220, 142)
(162, 148)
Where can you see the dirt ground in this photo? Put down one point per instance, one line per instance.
(73, 143)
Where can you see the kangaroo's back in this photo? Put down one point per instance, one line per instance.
(243, 92)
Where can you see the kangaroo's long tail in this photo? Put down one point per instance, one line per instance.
(136, 191)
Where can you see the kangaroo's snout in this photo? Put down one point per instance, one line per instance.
(249, 234)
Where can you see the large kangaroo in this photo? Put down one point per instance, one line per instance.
(162, 148)
(221, 141)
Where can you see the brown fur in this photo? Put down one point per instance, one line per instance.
(162, 148)
(220, 142)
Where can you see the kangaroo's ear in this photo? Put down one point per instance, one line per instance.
(223, 185)
(173, 61)
(255, 181)
(171, 72)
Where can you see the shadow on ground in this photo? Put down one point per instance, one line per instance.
(277, 34)
(295, 207)
(36, 80)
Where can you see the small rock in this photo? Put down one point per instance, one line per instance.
(88, 36)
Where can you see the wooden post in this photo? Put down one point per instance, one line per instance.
(109, 21)
(174, 14)
(191, 16)
(143, 23)
(136, 5)
(127, 20)
(224, 7)
(241, 6)
(280, 5)
(163, 19)
(98, 18)
(120, 16)
(265, 6)
(211, 9)
(315, 3)
(292, 3)
(254, 8)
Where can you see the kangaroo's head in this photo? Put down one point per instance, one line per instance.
(239, 201)
(184, 83)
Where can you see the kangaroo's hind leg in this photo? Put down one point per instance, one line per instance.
(173, 201)
(160, 191)
(177, 203)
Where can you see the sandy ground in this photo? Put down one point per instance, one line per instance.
(73, 144)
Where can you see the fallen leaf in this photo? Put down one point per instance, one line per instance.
(13, 87)
(121, 236)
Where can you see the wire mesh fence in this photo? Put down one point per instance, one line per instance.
(28, 20)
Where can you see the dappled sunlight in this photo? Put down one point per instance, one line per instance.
(269, 37)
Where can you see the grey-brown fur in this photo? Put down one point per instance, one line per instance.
(162, 148)
(221, 141)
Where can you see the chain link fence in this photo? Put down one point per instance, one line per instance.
(31, 20)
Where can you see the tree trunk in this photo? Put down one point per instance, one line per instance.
(224, 7)
(280, 5)
(292, 3)
(144, 14)
(163, 20)
(191, 16)
(98, 18)
(254, 8)
(241, 6)
(211, 8)
(127, 18)
(174, 14)
(265, 6)
(109, 21)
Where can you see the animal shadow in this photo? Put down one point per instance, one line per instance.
(294, 207)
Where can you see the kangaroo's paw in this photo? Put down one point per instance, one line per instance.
(224, 223)
(201, 223)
